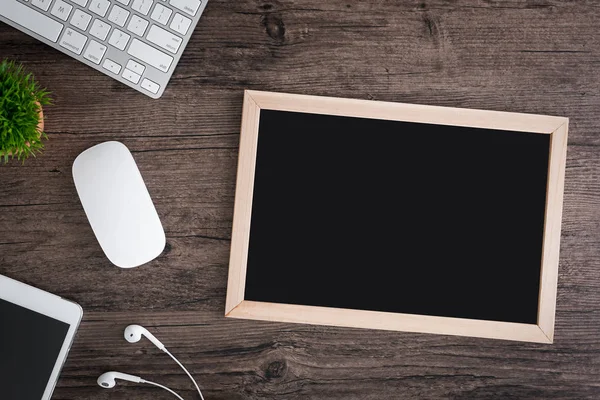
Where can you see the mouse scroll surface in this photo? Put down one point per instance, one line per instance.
(118, 205)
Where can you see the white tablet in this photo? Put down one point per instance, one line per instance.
(36, 332)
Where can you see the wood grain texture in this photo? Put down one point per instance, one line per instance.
(537, 57)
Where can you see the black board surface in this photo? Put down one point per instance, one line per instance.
(398, 217)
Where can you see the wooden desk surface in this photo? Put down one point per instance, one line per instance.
(535, 57)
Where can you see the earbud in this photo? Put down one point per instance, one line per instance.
(108, 379)
(134, 333)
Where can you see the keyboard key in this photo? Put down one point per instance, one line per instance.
(111, 66)
(81, 20)
(137, 25)
(150, 86)
(180, 24)
(95, 51)
(124, 2)
(119, 39)
(99, 29)
(135, 67)
(164, 39)
(142, 6)
(161, 14)
(131, 76)
(118, 15)
(43, 4)
(61, 10)
(187, 6)
(73, 41)
(32, 20)
(81, 3)
(150, 55)
(99, 7)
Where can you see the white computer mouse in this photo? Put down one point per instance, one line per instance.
(118, 205)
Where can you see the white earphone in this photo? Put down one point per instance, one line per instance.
(107, 379)
(133, 334)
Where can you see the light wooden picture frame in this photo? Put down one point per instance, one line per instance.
(237, 307)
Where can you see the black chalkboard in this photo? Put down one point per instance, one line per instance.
(395, 216)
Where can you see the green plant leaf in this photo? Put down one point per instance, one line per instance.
(21, 99)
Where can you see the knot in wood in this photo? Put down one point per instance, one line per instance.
(276, 369)
(274, 27)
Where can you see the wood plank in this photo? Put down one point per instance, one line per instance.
(243, 359)
(388, 321)
(520, 56)
(407, 112)
(553, 219)
(243, 204)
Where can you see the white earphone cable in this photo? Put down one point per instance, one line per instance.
(162, 387)
(186, 371)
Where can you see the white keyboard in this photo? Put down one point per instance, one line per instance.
(137, 42)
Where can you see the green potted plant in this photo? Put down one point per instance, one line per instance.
(21, 116)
